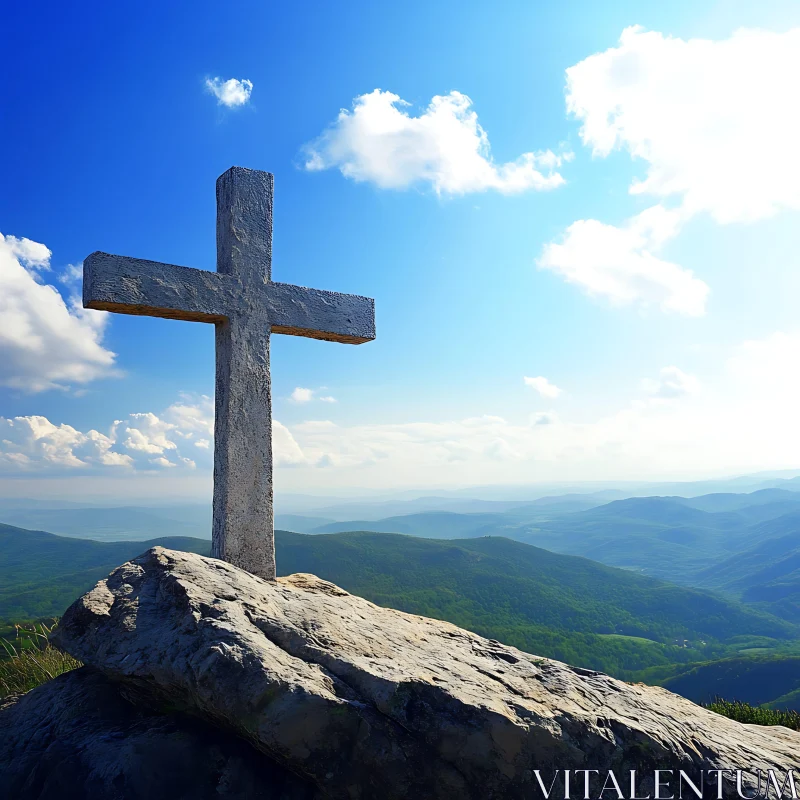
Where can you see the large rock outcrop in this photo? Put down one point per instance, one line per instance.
(364, 702)
(78, 738)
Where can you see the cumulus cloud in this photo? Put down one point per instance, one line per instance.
(32, 255)
(231, 93)
(286, 450)
(712, 121)
(671, 384)
(148, 434)
(715, 122)
(445, 147)
(543, 386)
(142, 442)
(468, 440)
(72, 275)
(303, 395)
(622, 265)
(742, 418)
(45, 341)
(35, 444)
(192, 416)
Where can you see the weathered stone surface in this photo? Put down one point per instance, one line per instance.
(78, 738)
(368, 702)
(246, 306)
(149, 288)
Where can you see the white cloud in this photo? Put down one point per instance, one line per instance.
(72, 275)
(230, 93)
(445, 147)
(34, 443)
(142, 441)
(286, 451)
(193, 415)
(714, 121)
(149, 434)
(543, 386)
(671, 384)
(45, 342)
(471, 441)
(620, 263)
(742, 418)
(31, 254)
(301, 395)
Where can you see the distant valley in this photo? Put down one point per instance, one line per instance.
(747, 545)
(563, 607)
(123, 523)
(575, 577)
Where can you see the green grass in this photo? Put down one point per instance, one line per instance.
(755, 715)
(30, 660)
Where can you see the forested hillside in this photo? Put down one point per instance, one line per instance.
(746, 545)
(41, 574)
(559, 606)
(770, 680)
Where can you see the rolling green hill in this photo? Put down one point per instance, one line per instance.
(429, 525)
(736, 502)
(563, 607)
(766, 576)
(752, 553)
(673, 538)
(299, 522)
(41, 574)
(745, 545)
(763, 680)
(113, 524)
(559, 606)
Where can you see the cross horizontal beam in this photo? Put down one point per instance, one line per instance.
(246, 307)
(137, 286)
(149, 288)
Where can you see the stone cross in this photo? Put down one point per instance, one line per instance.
(246, 306)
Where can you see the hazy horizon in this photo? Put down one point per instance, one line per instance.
(102, 495)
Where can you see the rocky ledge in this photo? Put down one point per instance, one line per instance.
(297, 689)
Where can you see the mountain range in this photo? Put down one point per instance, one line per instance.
(745, 545)
(693, 592)
(565, 607)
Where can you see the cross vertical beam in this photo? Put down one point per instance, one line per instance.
(246, 307)
(243, 522)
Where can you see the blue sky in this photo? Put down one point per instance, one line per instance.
(638, 266)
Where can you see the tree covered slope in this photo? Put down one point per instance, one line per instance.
(41, 574)
(563, 607)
